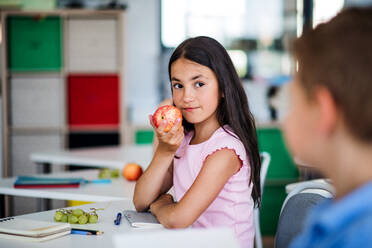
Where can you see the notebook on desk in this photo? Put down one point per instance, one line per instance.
(32, 230)
(32, 182)
(141, 219)
(28, 182)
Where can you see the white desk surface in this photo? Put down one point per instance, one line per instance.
(105, 223)
(133, 237)
(119, 189)
(110, 157)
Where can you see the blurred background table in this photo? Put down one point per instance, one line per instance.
(103, 157)
(118, 189)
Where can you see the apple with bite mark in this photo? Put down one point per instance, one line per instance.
(168, 113)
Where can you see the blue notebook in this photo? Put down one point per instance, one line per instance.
(52, 182)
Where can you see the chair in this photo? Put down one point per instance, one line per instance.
(296, 207)
(265, 161)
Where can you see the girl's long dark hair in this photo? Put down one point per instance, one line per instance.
(233, 108)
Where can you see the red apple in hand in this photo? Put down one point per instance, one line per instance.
(168, 113)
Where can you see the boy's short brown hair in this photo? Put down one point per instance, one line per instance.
(338, 56)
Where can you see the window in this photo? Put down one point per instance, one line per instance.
(325, 10)
(254, 33)
(226, 21)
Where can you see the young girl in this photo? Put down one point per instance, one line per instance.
(212, 158)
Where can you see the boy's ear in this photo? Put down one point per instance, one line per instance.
(328, 114)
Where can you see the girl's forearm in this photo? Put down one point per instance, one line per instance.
(168, 213)
(149, 185)
(163, 208)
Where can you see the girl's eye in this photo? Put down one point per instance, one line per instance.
(177, 86)
(199, 84)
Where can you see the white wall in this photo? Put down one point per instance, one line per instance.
(142, 53)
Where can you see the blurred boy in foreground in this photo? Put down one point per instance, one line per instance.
(329, 126)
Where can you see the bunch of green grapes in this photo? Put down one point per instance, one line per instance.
(76, 216)
(108, 173)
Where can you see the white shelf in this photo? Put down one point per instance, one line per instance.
(34, 105)
(92, 44)
(23, 145)
(118, 189)
(37, 102)
(114, 157)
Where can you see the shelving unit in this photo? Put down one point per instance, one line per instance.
(62, 82)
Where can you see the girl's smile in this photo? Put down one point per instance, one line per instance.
(190, 109)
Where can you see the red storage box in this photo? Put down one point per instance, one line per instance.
(93, 100)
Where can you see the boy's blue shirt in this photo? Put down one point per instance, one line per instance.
(343, 223)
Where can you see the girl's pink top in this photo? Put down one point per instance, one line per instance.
(233, 206)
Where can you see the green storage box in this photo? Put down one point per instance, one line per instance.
(282, 171)
(144, 136)
(35, 44)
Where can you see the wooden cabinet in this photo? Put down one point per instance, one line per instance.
(61, 84)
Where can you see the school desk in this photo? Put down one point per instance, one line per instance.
(118, 236)
(118, 189)
(101, 157)
(104, 157)
(105, 223)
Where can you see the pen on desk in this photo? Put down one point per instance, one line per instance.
(118, 219)
(85, 231)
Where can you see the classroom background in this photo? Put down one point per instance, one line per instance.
(86, 73)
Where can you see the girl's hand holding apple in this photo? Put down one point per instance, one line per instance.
(169, 140)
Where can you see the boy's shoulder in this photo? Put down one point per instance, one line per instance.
(362, 223)
(358, 232)
(351, 219)
(338, 225)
